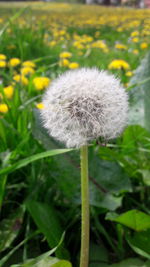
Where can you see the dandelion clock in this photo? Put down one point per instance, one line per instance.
(80, 106)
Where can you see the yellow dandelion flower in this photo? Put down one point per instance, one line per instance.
(65, 55)
(8, 91)
(121, 46)
(27, 71)
(129, 73)
(126, 85)
(21, 79)
(52, 43)
(99, 44)
(3, 108)
(119, 64)
(40, 105)
(73, 65)
(2, 57)
(41, 83)
(29, 63)
(64, 62)
(3, 64)
(134, 34)
(144, 45)
(13, 62)
(120, 29)
(135, 40)
(78, 45)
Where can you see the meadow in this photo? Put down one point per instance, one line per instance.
(39, 189)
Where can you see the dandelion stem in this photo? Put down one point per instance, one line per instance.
(84, 256)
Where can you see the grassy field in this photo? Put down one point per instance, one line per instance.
(40, 194)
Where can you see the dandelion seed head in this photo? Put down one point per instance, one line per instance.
(84, 104)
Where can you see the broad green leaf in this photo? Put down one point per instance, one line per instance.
(62, 263)
(42, 260)
(45, 262)
(10, 227)
(24, 162)
(140, 243)
(132, 262)
(134, 219)
(108, 174)
(45, 217)
(146, 176)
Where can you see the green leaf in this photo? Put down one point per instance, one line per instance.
(44, 262)
(61, 263)
(110, 182)
(132, 262)
(146, 176)
(134, 219)
(26, 161)
(140, 243)
(45, 217)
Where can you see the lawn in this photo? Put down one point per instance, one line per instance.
(40, 183)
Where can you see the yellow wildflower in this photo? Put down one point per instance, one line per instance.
(78, 45)
(2, 57)
(144, 45)
(99, 44)
(21, 79)
(129, 73)
(135, 40)
(65, 55)
(120, 29)
(8, 91)
(27, 71)
(135, 33)
(41, 83)
(40, 105)
(29, 63)
(119, 64)
(13, 62)
(52, 43)
(2, 64)
(121, 46)
(3, 108)
(73, 65)
(126, 85)
(64, 62)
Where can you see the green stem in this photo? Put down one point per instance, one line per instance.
(84, 256)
